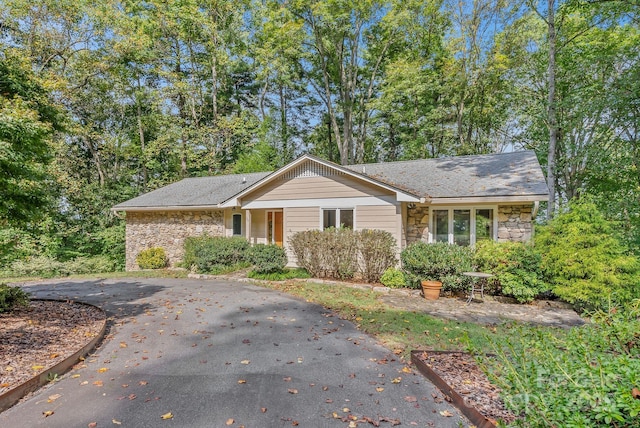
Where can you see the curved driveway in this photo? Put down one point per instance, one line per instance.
(219, 353)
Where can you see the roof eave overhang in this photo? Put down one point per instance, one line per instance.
(167, 208)
(236, 200)
(488, 199)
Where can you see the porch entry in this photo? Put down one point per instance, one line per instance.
(274, 227)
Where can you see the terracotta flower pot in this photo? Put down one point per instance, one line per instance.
(431, 289)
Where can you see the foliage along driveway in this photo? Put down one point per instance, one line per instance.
(213, 354)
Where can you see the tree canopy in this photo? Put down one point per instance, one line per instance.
(102, 102)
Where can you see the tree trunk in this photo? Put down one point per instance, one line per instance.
(552, 118)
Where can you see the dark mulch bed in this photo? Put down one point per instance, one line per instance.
(40, 336)
(461, 372)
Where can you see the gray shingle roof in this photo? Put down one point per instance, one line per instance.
(501, 175)
(194, 192)
(504, 174)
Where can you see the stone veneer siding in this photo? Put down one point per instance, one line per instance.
(418, 224)
(514, 223)
(168, 229)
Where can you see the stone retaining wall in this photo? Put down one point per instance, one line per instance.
(168, 229)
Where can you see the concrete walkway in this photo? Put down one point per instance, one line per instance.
(212, 353)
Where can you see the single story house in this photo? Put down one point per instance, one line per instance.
(460, 200)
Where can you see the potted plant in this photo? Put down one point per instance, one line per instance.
(431, 265)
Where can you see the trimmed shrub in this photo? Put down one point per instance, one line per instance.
(377, 251)
(437, 262)
(343, 253)
(393, 278)
(516, 267)
(584, 259)
(152, 258)
(209, 253)
(267, 258)
(11, 297)
(331, 253)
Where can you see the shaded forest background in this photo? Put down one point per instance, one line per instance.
(102, 102)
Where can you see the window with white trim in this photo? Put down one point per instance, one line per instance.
(463, 225)
(337, 217)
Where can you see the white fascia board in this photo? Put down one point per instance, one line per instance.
(405, 197)
(489, 199)
(233, 202)
(321, 202)
(169, 208)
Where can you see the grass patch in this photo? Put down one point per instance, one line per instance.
(156, 273)
(399, 329)
(286, 274)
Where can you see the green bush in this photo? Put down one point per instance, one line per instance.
(393, 278)
(331, 253)
(584, 259)
(516, 267)
(343, 253)
(152, 258)
(95, 264)
(267, 258)
(40, 266)
(207, 254)
(437, 262)
(377, 252)
(11, 297)
(15, 244)
(584, 378)
(47, 267)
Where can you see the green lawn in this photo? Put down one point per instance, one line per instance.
(399, 329)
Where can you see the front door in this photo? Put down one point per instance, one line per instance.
(274, 227)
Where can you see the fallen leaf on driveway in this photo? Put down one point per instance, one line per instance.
(92, 424)
(47, 413)
(230, 422)
(379, 389)
(168, 415)
(102, 370)
(53, 398)
(242, 381)
(410, 399)
(446, 413)
(292, 391)
(245, 362)
(116, 422)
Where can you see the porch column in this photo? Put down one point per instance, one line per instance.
(247, 227)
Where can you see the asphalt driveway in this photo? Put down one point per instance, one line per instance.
(217, 354)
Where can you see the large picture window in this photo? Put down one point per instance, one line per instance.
(337, 218)
(462, 226)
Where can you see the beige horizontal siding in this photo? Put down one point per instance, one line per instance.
(298, 220)
(337, 186)
(382, 217)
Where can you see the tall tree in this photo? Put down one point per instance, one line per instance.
(28, 120)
